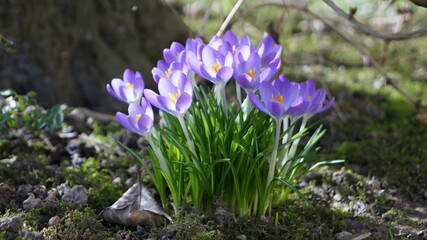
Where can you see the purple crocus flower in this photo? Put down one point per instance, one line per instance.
(278, 98)
(140, 118)
(233, 43)
(248, 70)
(173, 53)
(268, 51)
(164, 70)
(213, 66)
(176, 94)
(312, 99)
(130, 89)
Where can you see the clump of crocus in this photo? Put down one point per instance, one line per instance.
(227, 154)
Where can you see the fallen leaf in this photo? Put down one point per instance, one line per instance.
(127, 212)
(422, 117)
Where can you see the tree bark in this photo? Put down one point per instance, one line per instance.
(67, 51)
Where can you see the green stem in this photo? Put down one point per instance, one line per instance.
(187, 136)
(273, 156)
(291, 153)
(238, 94)
(159, 155)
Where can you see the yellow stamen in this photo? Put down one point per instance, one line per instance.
(233, 48)
(279, 97)
(251, 72)
(129, 85)
(309, 97)
(138, 116)
(168, 73)
(174, 97)
(217, 66)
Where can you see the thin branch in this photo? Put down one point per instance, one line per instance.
(369, 31)
(229, 17)
(356, 45)
(205, 19)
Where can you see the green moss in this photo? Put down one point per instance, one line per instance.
(392, 147)
(97, 180)
(78, 224)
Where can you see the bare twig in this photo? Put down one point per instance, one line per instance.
(205, 19)
(229, 17)
(374, 63)
(369, 31)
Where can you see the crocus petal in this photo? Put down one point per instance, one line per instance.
(152, 98)
(166, 104)
(257, 103)
(166, 87)
(123, 120)
(327, 106)
(128, 76)
(134, 109)
(266, 90)
(209, 56)
(225, 73)
(145, 123)
(184, 102)
(276, 109)
(148, 109)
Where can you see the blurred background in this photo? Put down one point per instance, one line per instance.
(67, 51)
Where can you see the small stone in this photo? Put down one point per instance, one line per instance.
(337, 197)
(30, 202)
(241, 237)
(129, 182)
(27, 234)
(343, 235)
(117, 181)
(76, 195)
(361, 236)
(55, 220)
(387, 216)
(12, 224)
(421, 210)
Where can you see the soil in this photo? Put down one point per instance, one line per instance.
(53, 185)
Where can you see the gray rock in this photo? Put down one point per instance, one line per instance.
(30, 202)
(387, 216)
(241, 237)
(27, 234)
(343, 235)
(55, 220)
(425, 194)
(12, 224)
(76, 195)
(117, 181)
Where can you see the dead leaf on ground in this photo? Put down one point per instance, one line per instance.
(126, 211)
(422, 117)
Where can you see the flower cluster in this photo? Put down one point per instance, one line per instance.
(222, 59)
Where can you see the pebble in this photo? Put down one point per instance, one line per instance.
(27, 234)
(76, 195)
(55, 220)
(12, 224)
(387, 216)
(241, 237)
(117, 181)
(337, 197)
(343, 235)
(30, 202)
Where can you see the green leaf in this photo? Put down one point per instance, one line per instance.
(295, 190)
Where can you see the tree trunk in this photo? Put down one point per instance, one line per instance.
(67, 51)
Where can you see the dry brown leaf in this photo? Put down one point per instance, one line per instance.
(126, 211)
(422, 117)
